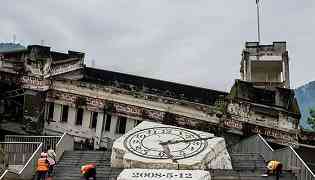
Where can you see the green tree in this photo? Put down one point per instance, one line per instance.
(311, 118)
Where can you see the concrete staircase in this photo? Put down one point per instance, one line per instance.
(69, 166)
(247, 166)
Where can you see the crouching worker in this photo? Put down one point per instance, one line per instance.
(88, 171)
(51, 157)
(274, 168)
(42, 166)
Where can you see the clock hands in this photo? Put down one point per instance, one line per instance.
(165, 143)
(184, 141)
(166, 148)
(167, 151)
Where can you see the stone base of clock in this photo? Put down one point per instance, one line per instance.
(163, 174)
(141, 148)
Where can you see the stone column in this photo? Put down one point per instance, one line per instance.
(45, 114)
(99, 126)
(86, 119)
(249, 71)
(113, 126)
(72, 116)
(130, 124)
(57, 112)
(286, 72)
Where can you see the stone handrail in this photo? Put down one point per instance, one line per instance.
(65, 143)
(292, 161)
(254, 144)
(287, 156)
(28, 169)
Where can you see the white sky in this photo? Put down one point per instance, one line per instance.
(196, 42)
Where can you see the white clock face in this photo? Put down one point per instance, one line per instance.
(146, 143)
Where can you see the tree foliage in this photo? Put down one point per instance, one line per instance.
(2, 154)
(311, 118)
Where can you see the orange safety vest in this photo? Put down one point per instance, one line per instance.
(42, 164)
(87, 168)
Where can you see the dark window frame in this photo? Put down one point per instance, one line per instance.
(121, 125)
(79, 117)
(64, 113)
(93, 121)
(51, 109)
(108, 122)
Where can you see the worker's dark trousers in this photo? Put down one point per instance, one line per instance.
(90, 173)
(278, 171)
(41, 175)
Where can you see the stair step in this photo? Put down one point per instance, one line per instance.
(245, 175)
(68, 168)
(246, 166)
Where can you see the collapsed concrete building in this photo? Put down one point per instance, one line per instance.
(48, 92)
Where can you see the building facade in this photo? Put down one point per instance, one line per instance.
(47, 92)
(266, 65)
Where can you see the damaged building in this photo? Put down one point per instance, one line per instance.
(48, 92)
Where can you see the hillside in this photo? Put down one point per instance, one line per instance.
(306, 99)
(6, 47)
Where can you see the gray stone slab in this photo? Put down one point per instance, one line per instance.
(158, 146)
(163, 174)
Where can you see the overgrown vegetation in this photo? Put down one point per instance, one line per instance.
(2, 157)
(311, 118)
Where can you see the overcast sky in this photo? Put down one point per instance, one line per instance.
(195, 42)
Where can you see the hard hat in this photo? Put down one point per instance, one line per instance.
(43, 154)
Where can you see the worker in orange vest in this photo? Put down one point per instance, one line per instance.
(42, 166)
(274, 168)
(89, 170)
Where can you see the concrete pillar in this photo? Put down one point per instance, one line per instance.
(130, 124)
(249, 70)
(99, 126)
(244, 75)
(45, 114)
(57, 112)
(287, 73)
(86, 119)
(72, 116)
(113, 125)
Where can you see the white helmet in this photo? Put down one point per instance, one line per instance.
(43, 154)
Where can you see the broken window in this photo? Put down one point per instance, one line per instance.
(64, 113)
(108, 122)
(93, 119)
(79, 116)
(51, 111)
(121, 125)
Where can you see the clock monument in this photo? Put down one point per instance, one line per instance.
(158, 146)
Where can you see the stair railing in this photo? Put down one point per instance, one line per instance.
(28, 169)
(287, 156)
(254, 144)
(46, 140)
(292, 161)
(65, 143)
(16, 153)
